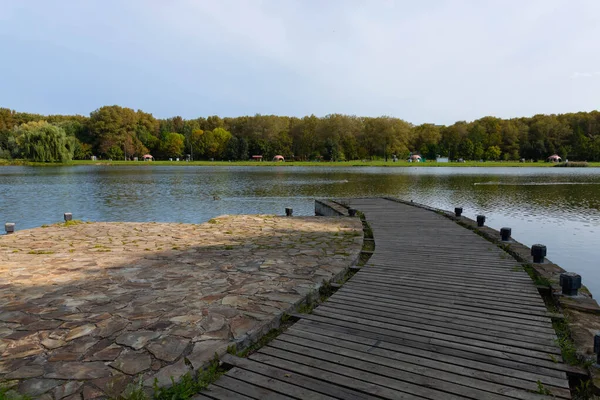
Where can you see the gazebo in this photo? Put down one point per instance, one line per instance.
(147, 157)
(554, 158)
(278, 158)
(414, 158)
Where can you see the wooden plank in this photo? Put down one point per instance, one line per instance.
(202, 397)
(423, 296)
(276, 385)
(440, 287)
(246, 389)
(291, 377)
(433, 369)
(444, 324)
(352, 297)
(402, 388)
(470, 272)
(219, 393)
(464, 284)
(509, 301)
(487, 364)
(409, 311)
(512, 272)
(489, 299)
(440, 344)
(424, 379)
(490, 342)
(464, 307)
(433, 292)
(446, 270)
(358, 384)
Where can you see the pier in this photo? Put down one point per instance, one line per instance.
(437, 312)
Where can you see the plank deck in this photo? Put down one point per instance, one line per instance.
(437, 313)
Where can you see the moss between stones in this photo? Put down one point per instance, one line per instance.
(185, 388)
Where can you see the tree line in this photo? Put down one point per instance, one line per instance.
(119, 133)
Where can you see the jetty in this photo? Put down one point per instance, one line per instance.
(437, 312)
(96, 310)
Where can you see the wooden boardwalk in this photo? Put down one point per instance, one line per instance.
(437, 313)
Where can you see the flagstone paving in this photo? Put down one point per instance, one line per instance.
(86, 309)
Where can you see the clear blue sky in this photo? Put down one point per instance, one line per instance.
(423, 61)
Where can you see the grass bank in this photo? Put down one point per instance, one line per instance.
(357, 163)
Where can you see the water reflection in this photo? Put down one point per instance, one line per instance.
(559, 207)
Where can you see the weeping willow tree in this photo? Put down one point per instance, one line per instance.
(44, 142)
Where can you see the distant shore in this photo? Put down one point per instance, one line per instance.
(355, 163)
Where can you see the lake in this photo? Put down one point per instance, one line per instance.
(558, 207)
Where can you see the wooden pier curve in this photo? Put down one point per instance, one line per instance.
(437, 313)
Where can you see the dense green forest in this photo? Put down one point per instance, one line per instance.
(118, 133)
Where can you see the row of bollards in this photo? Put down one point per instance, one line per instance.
(570, 282)
(9, 227)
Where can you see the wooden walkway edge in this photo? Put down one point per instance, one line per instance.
(437, 313)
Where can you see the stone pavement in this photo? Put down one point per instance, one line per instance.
(87, 309)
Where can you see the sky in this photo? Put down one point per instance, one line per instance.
(428, 61)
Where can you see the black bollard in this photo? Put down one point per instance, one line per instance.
(68, 217)
(597, 347)
(480, 220)
(352, 212)
(505, 234)
(538, 251)
(289, 211)
(570, 283)
(458, 211)
(9, 227)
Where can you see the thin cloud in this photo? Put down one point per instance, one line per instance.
(436, 61)
(577, 75)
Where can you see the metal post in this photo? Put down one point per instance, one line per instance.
(480, 220)
(538, 251)
(570, 283)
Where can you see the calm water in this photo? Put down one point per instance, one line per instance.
(559, 207)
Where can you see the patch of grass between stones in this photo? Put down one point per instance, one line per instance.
(368, 245)
(72, 222)
(40, 252)
(10, 394)
(535, 277)
(187, 386)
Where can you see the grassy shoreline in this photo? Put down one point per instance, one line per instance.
(357, 163)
